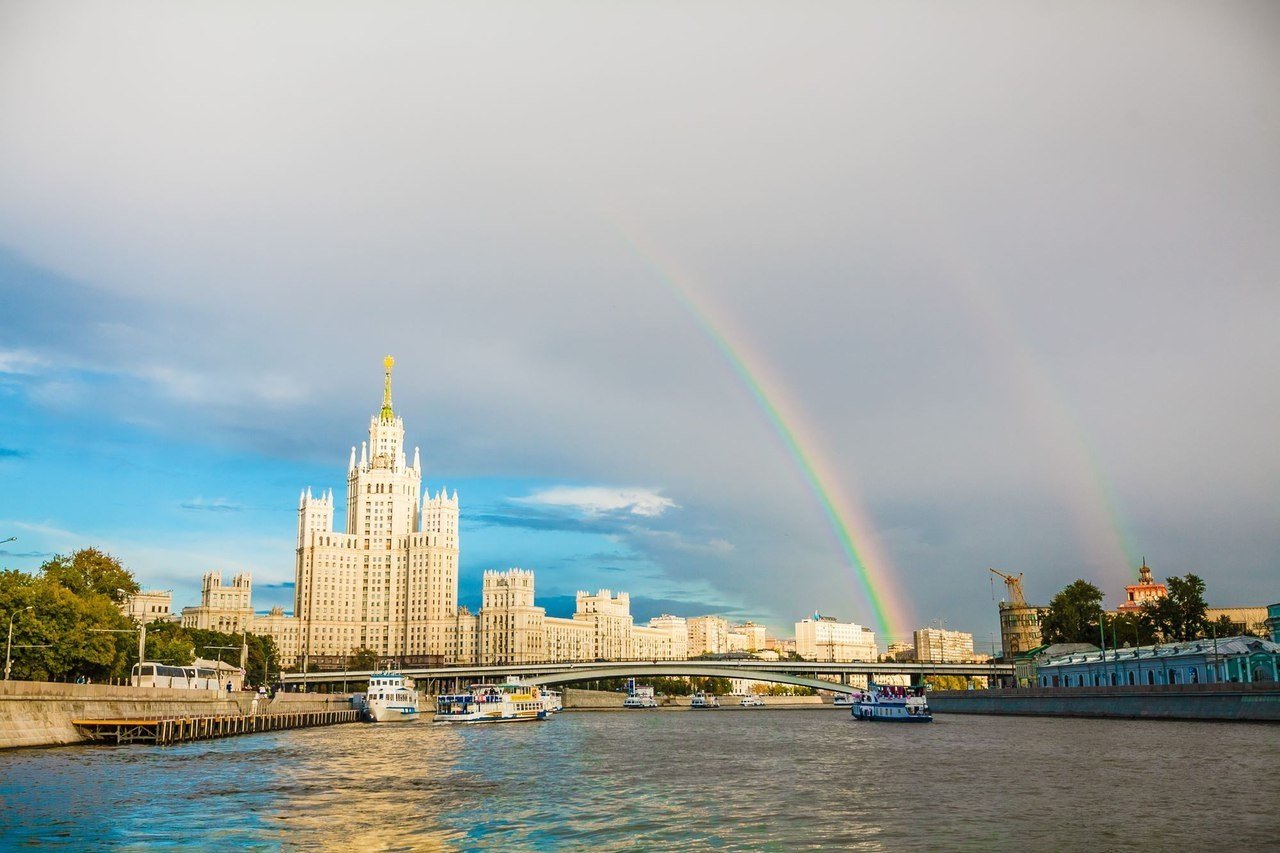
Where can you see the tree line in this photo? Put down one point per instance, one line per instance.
(1076, 615)
(75, 628)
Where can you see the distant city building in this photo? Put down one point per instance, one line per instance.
(935, 645)
(1026, 664)
(1273, 622)
(227, 609)
(756, 636)
(1242, 619)
(148, 606)
(677, 628)
(511, 628)
(901, 651)
(736, 641)
(1227, 659)
(1144, 591)
(389, 581)
(285, 632)
(823, 638)
(708, 635)
(781, 645)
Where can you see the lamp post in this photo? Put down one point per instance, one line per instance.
(142, 642)
(8, 647)
(219, 650)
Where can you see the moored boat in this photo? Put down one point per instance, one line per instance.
(390, 698)
(704, 700)
(751, 701)
(846, 700)
(894, 704)
(641, 696)
(492, 703)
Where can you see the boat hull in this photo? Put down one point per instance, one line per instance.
(867, 712)
(380, 713)
(478, 718)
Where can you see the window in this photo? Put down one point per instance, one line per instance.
(1151, 676)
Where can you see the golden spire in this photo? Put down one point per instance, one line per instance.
(387, 414)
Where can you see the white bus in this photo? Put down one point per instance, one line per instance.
(180, 677)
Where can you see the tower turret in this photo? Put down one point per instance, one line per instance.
(387, 415)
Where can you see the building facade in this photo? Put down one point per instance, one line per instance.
(1019, 628)
(755, 636)
(389, 580)
(1227, 659)
(823, 638)
(283, 630)
(708, 635)
(935, 645)
(1146, 590)
(147, 607)
(225, 608)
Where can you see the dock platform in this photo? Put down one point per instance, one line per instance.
(179, 729)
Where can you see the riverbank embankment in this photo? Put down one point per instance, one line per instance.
(38, 713)
(1255, 702)
(603, 700)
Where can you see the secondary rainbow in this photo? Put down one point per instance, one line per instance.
(848, 522)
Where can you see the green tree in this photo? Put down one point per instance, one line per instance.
(1180, 615)
(1224, 627)
(1073, 615)
(364, 659)
(1131, 629)
(90, 571)
(62, 636)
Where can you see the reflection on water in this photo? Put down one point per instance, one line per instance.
(728, 780)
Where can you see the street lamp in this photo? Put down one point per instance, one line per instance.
(8, 648)
(142, 642)
(219, 650)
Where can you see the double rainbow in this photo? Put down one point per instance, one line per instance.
(848, 520)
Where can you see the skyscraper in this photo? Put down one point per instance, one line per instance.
(389, 581)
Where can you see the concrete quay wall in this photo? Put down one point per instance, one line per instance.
(1257, 702)
(38, 713)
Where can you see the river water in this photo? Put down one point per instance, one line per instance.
(729, 780)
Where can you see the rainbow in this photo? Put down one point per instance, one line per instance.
(849, 522)
(1076, 465)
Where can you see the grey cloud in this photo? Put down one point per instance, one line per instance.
(976, 255)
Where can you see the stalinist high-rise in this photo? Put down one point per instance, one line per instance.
(389, 582)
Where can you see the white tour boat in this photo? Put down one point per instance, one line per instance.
(752, 701)
(846, 700)
(893, 704)
(390, 698)
(492, 703)
(551, 700)
(641, 696)
(704, 700)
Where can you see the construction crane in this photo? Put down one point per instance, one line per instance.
(1014, 585)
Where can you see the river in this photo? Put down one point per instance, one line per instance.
(728, 780)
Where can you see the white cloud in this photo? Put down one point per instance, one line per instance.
(598, 500)
(20, 361)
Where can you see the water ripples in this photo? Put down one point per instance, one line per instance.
(728, 780)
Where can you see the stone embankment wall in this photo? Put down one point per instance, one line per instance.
(1257, 702)
(37, 713)
(601, 700)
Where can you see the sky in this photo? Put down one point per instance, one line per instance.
(751, 308)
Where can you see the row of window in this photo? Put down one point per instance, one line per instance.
(1113, 679)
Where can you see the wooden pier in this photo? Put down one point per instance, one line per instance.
(179, 729)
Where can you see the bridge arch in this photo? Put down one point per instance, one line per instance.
(681, 668)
